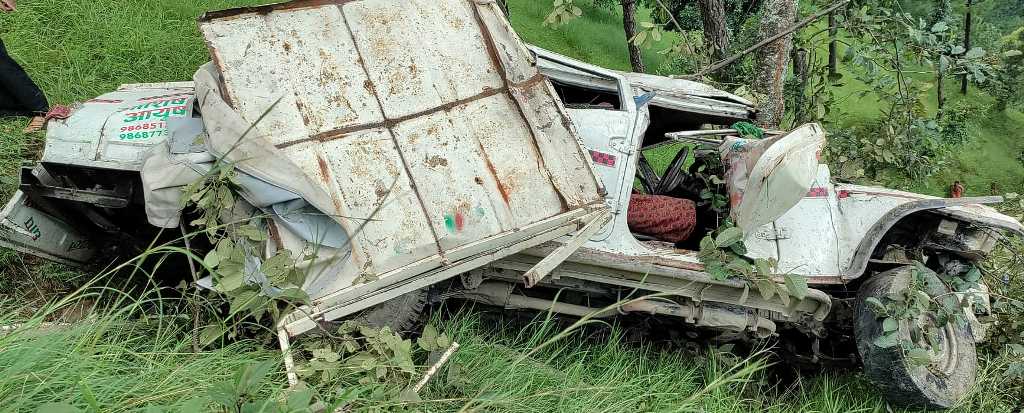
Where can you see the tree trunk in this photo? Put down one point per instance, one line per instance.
(967, 45)
(940, 89)
(943, 9)
(716, 33)
(773, 60)
(833, 44)
(629, 25)
(801, 70)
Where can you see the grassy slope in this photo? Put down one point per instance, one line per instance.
(597, 37)
(989, 158)
(76, 52)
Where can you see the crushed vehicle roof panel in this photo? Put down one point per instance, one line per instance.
(431, 110)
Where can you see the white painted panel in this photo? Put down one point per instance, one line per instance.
(808, 232)
(421, 54)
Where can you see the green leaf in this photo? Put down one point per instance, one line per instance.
(890, 324)
(1016, 349)
(1012, 53)
(292, 294)
(224, 249)
(797, 285)
(253, 374)
(428, 339)
(211, 333)
(974, 53)
(226, 198)
(886, 340)
(443, 341)
(212, 259)
(973, 275)
(728, 237)
(764, 266)
(242, 301)
(639, 38)
(767, 288)
(300, 400)
(717, 271)
(940, 27)
(784, 295)
(252, 233)
(707, 243)
(228, 282)
(276, 267)
(576, 11)
(919, 357)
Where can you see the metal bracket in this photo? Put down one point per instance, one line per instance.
(621, 144)
(560, 254)
(772, 233)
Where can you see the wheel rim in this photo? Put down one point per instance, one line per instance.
(945, 358)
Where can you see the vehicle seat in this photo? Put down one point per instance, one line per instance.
(662, 217)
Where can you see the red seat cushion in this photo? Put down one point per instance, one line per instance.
(662, 217)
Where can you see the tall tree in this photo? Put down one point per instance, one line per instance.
(967, 44)
(716, 32)
(833, 44)
(773, 60)
(629, 25)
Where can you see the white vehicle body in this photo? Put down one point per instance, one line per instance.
(552, 234)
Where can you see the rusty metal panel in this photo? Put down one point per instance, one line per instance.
(364, 171)
(438, 97)
(421, 54)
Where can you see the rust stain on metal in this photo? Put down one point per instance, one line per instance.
(394, 140)
(435, 161)
(492, 51)
(381, 192)
(390, 123)
(215, 58)
(325, 170)
(275, 234)
(264, 10)
(302, 111)
(502, 188)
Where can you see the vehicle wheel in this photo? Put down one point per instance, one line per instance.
(953, 369)
(401, 313)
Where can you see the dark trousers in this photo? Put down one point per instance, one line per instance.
(19, 96)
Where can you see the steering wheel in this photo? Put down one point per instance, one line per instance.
(674, 174)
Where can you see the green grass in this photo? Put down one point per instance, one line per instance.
(990, 156)
(119, 362)
(596, 37)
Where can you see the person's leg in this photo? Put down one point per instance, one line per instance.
(9, 106)
(23, 94)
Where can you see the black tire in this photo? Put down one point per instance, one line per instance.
(401, 313)
(938, 386)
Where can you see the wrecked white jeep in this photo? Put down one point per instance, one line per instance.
(419, 147)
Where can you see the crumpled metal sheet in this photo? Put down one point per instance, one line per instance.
(114, 129)
(427, 121)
